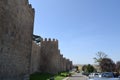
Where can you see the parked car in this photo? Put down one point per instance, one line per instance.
(92, 75)
(105, 79)
(85, 73)
(105, 76)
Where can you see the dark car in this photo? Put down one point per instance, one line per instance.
(107, 74)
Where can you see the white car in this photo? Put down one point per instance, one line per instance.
(92, 75)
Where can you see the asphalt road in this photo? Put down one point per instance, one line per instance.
(78, 76)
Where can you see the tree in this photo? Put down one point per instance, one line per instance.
(77, 68)
(99, 56)
(84, 68)
(88, 68)
(37, 38)
(107, 65)
(118, 66)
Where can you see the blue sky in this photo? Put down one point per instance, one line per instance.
(83, 27)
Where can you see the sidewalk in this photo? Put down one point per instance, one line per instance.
(66, 78)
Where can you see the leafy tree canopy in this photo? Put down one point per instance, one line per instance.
(88, 68)
(37, 38)
(118, 66)
(99, 56)
(107, 65)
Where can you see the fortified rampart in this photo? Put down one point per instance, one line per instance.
(16, 29)
(51, 61)
(49, 56)
(35, 57)
(19, 55)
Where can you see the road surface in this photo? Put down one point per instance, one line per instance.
(78, 76)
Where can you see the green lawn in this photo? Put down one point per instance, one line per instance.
(46, 76)
(40, 76)
(59, 77)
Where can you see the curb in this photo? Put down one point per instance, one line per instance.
(66, 78)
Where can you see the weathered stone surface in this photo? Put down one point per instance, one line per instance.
(61, 63)
(19, 56)
(49, 50)
(16, 28)
(47, 58)
(35, 58)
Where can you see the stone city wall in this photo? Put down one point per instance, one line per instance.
(35, 57)
(19, 56)
(49, 55)
(16, 29)
(51, 61)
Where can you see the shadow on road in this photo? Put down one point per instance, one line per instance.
(76, 76)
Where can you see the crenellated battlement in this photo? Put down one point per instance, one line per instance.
(49, 40)
(30, 8)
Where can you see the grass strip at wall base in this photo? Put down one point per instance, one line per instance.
(47, 76)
